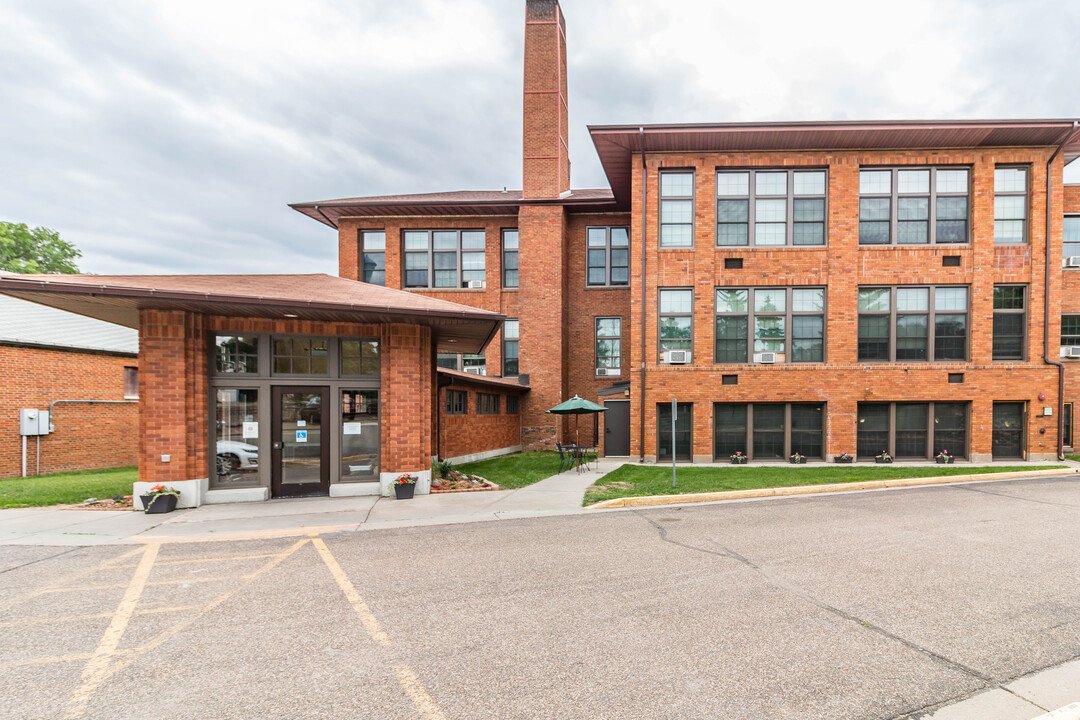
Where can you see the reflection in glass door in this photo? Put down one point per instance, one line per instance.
(237, 430)
(301, 447)
(360, 435)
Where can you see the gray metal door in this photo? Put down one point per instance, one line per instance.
(617, 428)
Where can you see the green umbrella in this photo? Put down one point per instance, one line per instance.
(577, 406)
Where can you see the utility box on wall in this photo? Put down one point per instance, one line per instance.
(33, 422)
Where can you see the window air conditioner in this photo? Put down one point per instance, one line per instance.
(477, 284)
(766, 357)
(1073, 352)
(1072, 261)
(677, 357)
(475, 370)
(603, 372)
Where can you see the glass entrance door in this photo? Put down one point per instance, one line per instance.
(301, 442)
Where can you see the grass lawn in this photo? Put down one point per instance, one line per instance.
(514, 471)
(1074, 458)
(66, 488)
(636, 480)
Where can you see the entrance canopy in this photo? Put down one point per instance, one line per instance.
(119, 298)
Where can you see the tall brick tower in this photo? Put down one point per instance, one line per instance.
(542, 227)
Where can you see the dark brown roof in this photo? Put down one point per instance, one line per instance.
(510, 384)
(118, 299)
(616, 143)
(460, 202)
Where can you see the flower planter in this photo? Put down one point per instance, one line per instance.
(797, 461)
(843, 461)
(945, 460)
(882, 460)
(156, 504)
(404, 491)
(739, 461)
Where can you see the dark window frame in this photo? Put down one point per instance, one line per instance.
(1023, 312)
(790, 198)
(1025, 194)
(430, 251)
(691, 198)
(514, 341)
(931, 313)
(368, 274)
(932, 447)
(597, 366)
(487, 403)
(932, 195)
(508, 252)
(683, 408)
(457, 402)
(1068, 422)
(1070, 339)
(788, 315)
(788, 444)
(660, 315)
(512, 405)
(608, 248)
(235, 358)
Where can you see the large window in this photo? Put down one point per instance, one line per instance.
(1070, 330)
(510, 258)
(1010, 321)
(476, 364)
(608, 345)
(768, 431)
(510, 348)
(236, 429)
(1071, 237)
(770, 207)
(1010, 204)
(913, 206)
(359, 358)
(682, 442)
(360, 443)
(296, 355)
(609, 256)
(444, 258)
(676, 320)
(236, 354)
(788, 322)
(912, 430)
(373, 256)
(913, 324)
(677, 209)
(1007, 439)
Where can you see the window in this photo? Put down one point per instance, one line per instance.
(1010, 321)
(444, 258)
(913, 206)
(1071, 237)
(676, 319)
(768, 430)
(511, 404)
(895, 324)
(609, 256)
(360, 444)
(911, 430)
(373, 256)
(487, 404)
(1010, 204)
(608, 346)
(774, 312)
(457, 402)
(677, 209)
(510, 348)
(510, 258)
(449, 361)
(682, 445)
(236, 414)
(359, 358)
(463, 362)
(1070, 330)
(300, 356)
(236, 354)
(1007, 439)
(787, 207)
(1067, 425)
(131, 383)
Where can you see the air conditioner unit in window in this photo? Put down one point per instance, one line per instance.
(767, 358)
(603, 372)
(1073, 351)
(475, 370)
(476, 284)
(677, 357)
(1072, 261)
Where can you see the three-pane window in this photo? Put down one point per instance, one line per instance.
(608, 256)
(677, 209)
(1010, 204)
(1071, 237)
(914, 430)
(770, 207)
(510, 347)
(789, 322)
(913, 324)
(373, 256)
(444, 258)
(510, 258)
(676, 319)
(913, 206)
(487, 404)
(1010, 321)
(609, 344)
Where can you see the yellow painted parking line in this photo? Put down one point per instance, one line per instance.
(96, 616)
(423, 702)
(223, 558)
(107, 565)
(56, 659)
(97, 669)
(366, 617)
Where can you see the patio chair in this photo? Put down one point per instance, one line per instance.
(566, 457)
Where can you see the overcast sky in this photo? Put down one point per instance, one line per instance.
(169, 136)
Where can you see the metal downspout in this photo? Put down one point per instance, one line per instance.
(1046, 301)
(644, 255)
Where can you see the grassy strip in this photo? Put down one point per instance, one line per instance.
(66, 488)
(514, 471)
(1074, 458)
(637, 480)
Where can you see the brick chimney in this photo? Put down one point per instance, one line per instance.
(546, 166)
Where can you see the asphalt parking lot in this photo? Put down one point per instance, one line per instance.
(864, 605)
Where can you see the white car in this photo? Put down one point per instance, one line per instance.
(233, 456)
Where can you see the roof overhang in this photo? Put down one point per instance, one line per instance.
(463, 330)
(457, 377)
(616, 144)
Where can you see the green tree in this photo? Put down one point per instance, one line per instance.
(37, 251)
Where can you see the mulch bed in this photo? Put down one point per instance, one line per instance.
(460, 482)
(116, 503)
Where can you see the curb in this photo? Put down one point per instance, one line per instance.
(647, 500)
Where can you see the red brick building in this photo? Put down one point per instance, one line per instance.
(808, 287)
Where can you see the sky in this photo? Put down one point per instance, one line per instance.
(169, 136)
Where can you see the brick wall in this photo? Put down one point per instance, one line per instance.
(1070, 303)
(842, 267)
(86, 436)
(546, 159)
(474, 433)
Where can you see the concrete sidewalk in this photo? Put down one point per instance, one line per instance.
(1053, 694)
(557, 495)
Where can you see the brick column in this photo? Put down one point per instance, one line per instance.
(406, 404)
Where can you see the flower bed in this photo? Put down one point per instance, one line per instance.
(460, 482)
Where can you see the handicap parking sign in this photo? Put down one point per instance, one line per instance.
(301, 436)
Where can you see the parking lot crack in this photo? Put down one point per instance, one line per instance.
(50, 557)
(1014, 497)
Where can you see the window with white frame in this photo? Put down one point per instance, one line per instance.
(373, 256)
(676, 319)
(677, 208)
(1010, 204)
(608, 345)
(1070, 231)
(914, 206)
(789, 322)
(1070, 330)
(608, 256)
(444, 258)
(770, 207)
